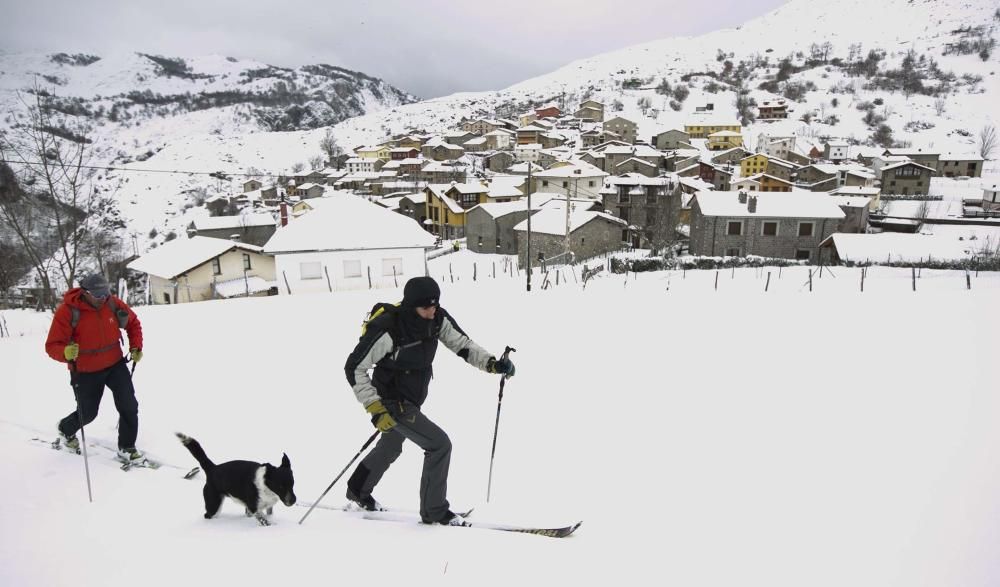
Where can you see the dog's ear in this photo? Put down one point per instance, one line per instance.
(285, 462)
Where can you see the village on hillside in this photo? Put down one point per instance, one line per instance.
(574, 186)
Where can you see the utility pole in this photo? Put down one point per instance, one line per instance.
(528, 245)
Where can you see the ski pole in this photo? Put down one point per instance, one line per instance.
(496, 427)
(83, 435)
(332, 483)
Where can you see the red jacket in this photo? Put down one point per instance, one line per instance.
(97, 332)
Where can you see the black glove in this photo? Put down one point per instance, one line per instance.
(502, 366)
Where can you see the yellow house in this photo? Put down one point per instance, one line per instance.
(447, 205)
(753, 165)
(379, 152)
(724, 139)
(762, 182)
(702, 130)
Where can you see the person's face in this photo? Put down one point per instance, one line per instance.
(426, 312)
(94, 300)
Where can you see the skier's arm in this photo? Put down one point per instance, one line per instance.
(60, 333)
(133, 327)
(373, 346)
(459, 342)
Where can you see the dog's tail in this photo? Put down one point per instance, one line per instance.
(196, 451)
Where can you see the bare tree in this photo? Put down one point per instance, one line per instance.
(316, 162)
(48, 153)
(328, 144)
(939, 106)
(987, 141)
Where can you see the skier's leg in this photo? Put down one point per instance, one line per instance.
(120, 383)
(374, 465)
(89, 391)
(418, 428)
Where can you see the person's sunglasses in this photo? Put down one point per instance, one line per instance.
(95, 296)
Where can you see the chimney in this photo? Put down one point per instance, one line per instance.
(743, 197)
(284, 213)
(752, 204)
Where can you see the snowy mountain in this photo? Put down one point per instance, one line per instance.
(923, 68)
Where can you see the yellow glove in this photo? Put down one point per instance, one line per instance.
(71, 351)
(136, 355)
(380, 416)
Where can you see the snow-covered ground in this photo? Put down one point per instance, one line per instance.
(729, 437)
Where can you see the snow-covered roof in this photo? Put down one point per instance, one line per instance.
(348, 222)
(439, 189)
(180, 255)
(794, 204)
(896, 246)
(855, 190)
(853, 201)
(238, 221)
(636, 160)
(576, 168)
(553, 220)
(468, 188)
(759, 176)
(905, 163)
(499, 209)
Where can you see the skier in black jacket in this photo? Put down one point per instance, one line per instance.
(400, 345)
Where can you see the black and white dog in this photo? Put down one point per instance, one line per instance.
(257, 486)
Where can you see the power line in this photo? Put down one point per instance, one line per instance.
(215, 174)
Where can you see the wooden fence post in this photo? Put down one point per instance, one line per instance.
(766, 285)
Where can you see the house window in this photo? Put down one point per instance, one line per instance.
(352, 268)
(216, 266)
(650, 216)
(734, 228)
(805, 228)
(769, 229)
(623, 213)
(166, 298)
(246, 262)
(392, 267)
(565, 184)
(545, 182)
(733, 252)
(590, 184)
(802, 254)
(479, 241)
(311, 270)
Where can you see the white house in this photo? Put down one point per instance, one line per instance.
(575, 178)
(527, 152)
(360, 165)
(204, 268)
(346, 244)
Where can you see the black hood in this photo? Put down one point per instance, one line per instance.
(421, 292)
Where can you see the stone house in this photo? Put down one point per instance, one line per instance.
(442, 151)
(731, 156)
(856, 212)
(490, 226)
(671, 139)
(499, 139)
(919, 156)
(251, 185)
(306, 191)
(482, 126)
(772, 110)
(615, 155)
(623, 127)
(498, 161)
(651, 204)
(778, 225)
(780, 168)
(950, 165)
(590, 110)
(720, 177)
(991, 197)
(591, 234)
(906, 177)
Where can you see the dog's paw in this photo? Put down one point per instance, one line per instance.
(263, 521)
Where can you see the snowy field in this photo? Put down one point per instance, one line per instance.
(705, 437)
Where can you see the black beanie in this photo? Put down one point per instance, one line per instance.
(421, 292)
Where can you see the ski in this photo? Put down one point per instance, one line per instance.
(144, 463)
(557, 532)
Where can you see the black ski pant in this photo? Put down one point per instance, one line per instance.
(412, 425)
(89, 388)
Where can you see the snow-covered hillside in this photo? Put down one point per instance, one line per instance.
(729, 437)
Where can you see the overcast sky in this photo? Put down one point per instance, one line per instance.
(426, 47)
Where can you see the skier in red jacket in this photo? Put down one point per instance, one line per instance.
(85, 333)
